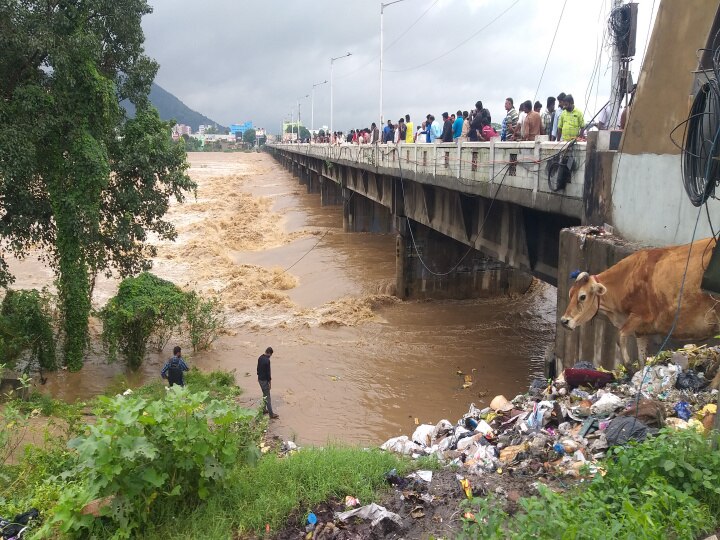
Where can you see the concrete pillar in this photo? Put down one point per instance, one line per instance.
(330, 192)
(313, 185)
(402, 256)
(361, 214)
(432, 265)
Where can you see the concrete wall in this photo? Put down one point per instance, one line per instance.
(648, 201)
(650, 205)
(665, 83)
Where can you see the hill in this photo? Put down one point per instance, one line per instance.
(170, 107)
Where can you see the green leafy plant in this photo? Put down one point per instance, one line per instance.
(142, 306)
(205, 320)
(665, 487)
(145, 453)
(26, 329)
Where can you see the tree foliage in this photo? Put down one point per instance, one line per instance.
(249, 136)
(77, 178)
(26, 331)
(148, 309)
(142, 306)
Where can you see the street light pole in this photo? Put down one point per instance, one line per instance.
(332, 60)
(312, 104)
(298, 104)
(382, 11)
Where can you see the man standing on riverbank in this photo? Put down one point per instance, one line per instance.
(265, 380)
(173, 368)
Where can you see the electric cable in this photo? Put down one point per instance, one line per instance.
(547, 58)
(477, 235)
(377, 57)
(474, 34)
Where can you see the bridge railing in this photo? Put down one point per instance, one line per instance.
(522, 165)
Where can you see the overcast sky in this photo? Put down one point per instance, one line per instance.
(238, 60)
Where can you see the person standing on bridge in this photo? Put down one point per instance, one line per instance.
(510, 122)
(571, 124)
(547, 117)
(409, 134)
(265, 380)
(374, 134)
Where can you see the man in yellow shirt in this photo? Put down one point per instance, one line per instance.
(571, 124)
(410, 134)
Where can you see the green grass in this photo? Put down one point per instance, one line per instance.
(665, 487)
(277, 488)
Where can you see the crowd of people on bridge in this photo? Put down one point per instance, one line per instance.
(560, 120)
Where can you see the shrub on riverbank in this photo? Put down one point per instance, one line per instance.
(665, 487)
(180, 462)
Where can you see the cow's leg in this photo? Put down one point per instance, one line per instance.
(716, 381)
(627, 330)
(642, 346)
(625, 351)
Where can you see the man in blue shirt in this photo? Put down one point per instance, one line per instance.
(173, 369)
(436, 129)
(457, 126)
(387, 132)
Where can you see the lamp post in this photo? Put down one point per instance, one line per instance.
(382, 11)
(312, 104)
(332, 60)
(292, 116)
(298, 104)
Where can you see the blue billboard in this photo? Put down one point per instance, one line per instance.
(241, 128)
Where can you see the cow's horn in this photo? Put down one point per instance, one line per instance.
(582, 276)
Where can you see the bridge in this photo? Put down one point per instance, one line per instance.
(468, 216)
(479, 218)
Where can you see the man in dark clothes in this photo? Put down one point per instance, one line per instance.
(173, 369)
(447, 133)
(265, 380)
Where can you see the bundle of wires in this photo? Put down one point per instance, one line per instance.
(620, 26)
(700, 163)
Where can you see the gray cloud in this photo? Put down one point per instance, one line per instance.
(238, 60)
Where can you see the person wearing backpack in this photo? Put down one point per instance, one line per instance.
(173, 369)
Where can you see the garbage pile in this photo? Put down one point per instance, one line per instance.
(566, 426)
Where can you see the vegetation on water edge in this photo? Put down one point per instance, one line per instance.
(148, 309)
(665, 487)
(184, 462)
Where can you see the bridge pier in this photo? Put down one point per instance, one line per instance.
(330, 192)
(431, 265)
(361, 214)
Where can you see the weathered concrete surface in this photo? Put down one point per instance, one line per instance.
(665, 82)
(478, 211)
(650, 205)
(430, 265)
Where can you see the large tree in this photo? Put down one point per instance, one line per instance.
(78, 179)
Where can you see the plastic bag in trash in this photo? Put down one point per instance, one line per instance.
(683, 410)
(623, 429)
(401, 445)
(373, 511)
(606, 405)
(423, 434)
(691, 380)
(656, 379)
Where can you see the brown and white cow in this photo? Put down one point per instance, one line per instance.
(640, 297)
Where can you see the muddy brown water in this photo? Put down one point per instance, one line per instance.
(351, 362)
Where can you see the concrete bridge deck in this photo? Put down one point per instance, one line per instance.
(473, 168)
(492, 197)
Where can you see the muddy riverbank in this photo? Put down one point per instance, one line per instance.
(352, 363)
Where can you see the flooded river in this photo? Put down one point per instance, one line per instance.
(351, 362)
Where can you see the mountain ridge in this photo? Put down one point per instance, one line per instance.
(171, 107)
